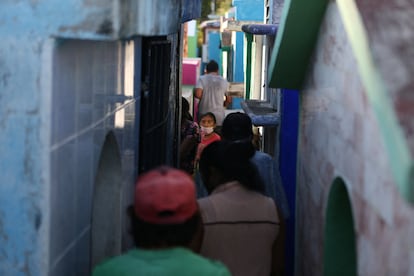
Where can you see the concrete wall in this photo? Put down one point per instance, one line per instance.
(68, 97)
(340, 137)
(390, 31)
(90, 99)
(25, 69)
(60, 100)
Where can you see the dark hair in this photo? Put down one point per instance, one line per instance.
(211, 114)
(232, 160)
(237, 126)
(212, 66)
(148, 235)
(185, 110)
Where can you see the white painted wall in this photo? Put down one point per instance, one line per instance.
(339, 136)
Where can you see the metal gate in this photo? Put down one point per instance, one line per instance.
(155, 111)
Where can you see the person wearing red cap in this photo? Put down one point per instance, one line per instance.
(166, 224)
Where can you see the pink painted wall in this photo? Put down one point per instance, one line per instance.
(191, 71)
(339, 137)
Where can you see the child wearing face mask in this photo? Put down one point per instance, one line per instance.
(207, 124)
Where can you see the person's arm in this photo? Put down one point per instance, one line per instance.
(187, 154)
(227, 101)
(188, 144)
(198, 93)
(278, 249)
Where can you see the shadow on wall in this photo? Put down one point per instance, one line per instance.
(106, 229)
(339, 245)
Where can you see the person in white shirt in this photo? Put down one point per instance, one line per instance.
(211, 90)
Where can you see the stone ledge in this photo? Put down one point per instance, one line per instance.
(262, 113)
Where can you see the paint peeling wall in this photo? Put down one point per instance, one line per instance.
(90, 19)
(390, 28)
(53, 125)
(76, 18)
(150, 17)
(63, 86)
(340, 136)
(24, 110)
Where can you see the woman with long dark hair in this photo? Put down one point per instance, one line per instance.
(241, 225)
(190, 137)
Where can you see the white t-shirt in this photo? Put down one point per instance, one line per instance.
(214, 90)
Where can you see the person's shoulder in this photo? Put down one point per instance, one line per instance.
(204, 266)
(113, 265)
(207, 205)
(264, 154)
(206, 77)
(271, 207)
(212, 267)
(260, 155)
(202, 202)
(223, 80)
(267, 203)
(216, 137)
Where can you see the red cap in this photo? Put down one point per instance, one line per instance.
(165, 196)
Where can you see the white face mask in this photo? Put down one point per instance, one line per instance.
(207, 130)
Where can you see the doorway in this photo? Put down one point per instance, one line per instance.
(155, 114)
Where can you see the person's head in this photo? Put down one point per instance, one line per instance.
(165, 211)
(207, 122)
(224, 161)
(185, 110)
(237, 126)
(212, 66)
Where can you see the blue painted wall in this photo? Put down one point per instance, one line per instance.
(287, 161)
(214, 51)
(59, 96)
(238, 63)
(246, 10)
(249, 9)
(190, 9)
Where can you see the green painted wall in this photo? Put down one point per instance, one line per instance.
(290, 59)
(339, 245)
(295, 42)
(192, 46)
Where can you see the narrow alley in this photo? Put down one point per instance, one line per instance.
(92, 98)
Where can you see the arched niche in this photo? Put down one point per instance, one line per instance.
(340, 243)
(106, 224)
